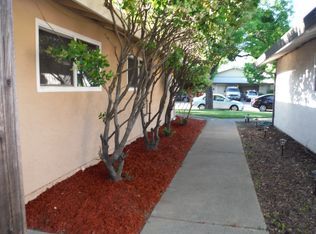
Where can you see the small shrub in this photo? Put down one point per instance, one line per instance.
(166, 131)
(127, 176)
(183, 121)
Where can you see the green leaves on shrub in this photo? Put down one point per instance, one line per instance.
(91, 62)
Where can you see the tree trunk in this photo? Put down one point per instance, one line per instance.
(152, 141)
(209, 99)
(189, 112)
(209, 93)
(169, 111)
(115, 174)
(12, 213)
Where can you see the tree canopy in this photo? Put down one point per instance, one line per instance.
(180, 42)
(267, 24)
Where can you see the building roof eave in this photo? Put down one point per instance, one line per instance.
(94, 9)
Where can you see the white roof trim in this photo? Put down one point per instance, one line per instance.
(231, 68)
(97, 7)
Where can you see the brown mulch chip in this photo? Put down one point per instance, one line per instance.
(89, 202)
(283, 184)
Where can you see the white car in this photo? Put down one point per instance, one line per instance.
(250, 94)
(233, 93)
(219, 102)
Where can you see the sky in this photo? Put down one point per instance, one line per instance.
(301, 8)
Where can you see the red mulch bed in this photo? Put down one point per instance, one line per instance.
(88, 202)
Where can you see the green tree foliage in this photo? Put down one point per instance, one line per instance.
(256, 74)
(223, 34)
(268, 23)
(221, 30)
(92, 63)
(200, 78)
(191, 73)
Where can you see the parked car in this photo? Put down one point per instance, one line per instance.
(264, 102)
(250, 94)
(219, 102)
(182, 98)
(233, 93)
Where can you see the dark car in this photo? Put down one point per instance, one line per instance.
(182, 98)
(264, 102)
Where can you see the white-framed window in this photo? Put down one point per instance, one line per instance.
(53, 76)
(134, 65)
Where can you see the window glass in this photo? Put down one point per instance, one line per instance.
(232, 90)
(270, 98)
(140, 65)
(218, 98)
(53, 73)
(83, 80)
(132, 71)
(90, 45)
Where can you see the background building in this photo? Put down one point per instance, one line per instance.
(236, 77)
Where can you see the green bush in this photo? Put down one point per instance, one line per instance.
(183, 121)
(167, 131)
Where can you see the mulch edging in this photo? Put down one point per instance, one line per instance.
(283, 183)
(88, 202)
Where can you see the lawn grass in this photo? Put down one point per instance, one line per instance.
(227, 114)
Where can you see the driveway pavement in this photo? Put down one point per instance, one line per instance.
(213, 191)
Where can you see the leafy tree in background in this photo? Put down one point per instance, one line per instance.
(256, 74)
(215, 36)
(225, 37)
(268, 23)
(190, 74)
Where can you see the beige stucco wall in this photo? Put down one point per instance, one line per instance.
(295, 110)
(59, 131)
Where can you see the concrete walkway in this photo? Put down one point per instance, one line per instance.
(213, 191)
